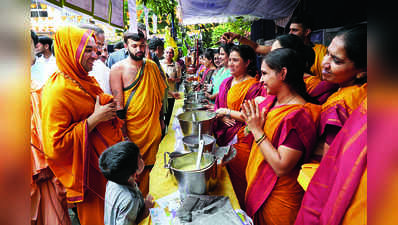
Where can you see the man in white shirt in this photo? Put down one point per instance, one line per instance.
(100, 70)
(45, 64)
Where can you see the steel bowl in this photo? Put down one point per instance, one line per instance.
(191, 120)
(193, 106)
(191, 143)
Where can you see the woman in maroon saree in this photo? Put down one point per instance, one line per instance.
(284, 128)
(229, 126)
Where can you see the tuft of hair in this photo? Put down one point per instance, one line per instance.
(119, 162)
(34, 37)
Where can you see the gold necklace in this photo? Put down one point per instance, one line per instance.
(241, 80)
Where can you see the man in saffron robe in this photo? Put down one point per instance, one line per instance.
(139, 88)
(48, 195)
(79, 122)
(337, 192)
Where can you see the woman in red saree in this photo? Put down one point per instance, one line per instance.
(344, 64)
(229, 127)
(284, 130)
(337, 192)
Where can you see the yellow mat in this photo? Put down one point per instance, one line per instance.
(161, 183)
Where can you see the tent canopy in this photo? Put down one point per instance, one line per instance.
(210, 11)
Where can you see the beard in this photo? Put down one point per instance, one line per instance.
(135, 57)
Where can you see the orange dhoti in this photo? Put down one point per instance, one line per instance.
(143, 116)
(48, 195)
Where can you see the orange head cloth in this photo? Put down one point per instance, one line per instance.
(105, 99)
(69, 45)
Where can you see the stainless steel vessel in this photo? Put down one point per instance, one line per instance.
(193, 106)
(191, 143)
(192, 181)
(190, 120)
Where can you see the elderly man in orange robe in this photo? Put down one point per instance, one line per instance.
(79, 122)
(139, 88)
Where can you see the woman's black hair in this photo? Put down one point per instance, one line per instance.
(296, 43)
(209, 54)
(355, 45)
(290, 59)
(247, 53)
(227, 48)
(119, 162)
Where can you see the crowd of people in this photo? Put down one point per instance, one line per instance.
(98, 120)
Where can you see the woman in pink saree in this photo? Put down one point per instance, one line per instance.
(229, 127)
(337, 192)
(344, 64)
(284, 130)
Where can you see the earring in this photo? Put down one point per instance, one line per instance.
(361, 75)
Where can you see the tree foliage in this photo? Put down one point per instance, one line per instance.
(240, 26)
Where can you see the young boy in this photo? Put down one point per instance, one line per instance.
(124, 203)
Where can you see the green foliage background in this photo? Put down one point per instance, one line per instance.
(211, 33)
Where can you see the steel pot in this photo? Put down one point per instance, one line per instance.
(196, 96)
(193, 106)
(191, 143)
(190, 120)
(192, 181)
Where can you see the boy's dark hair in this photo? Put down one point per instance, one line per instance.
(45, 40)
(133, 36)
(119, 162)
(119, 45)
(154, 43)
(34, 37)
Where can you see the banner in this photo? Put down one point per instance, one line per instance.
(133, 16)
(101, 9)
(117, 13)
(146, 21)
(81, 6)
(155, 23)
